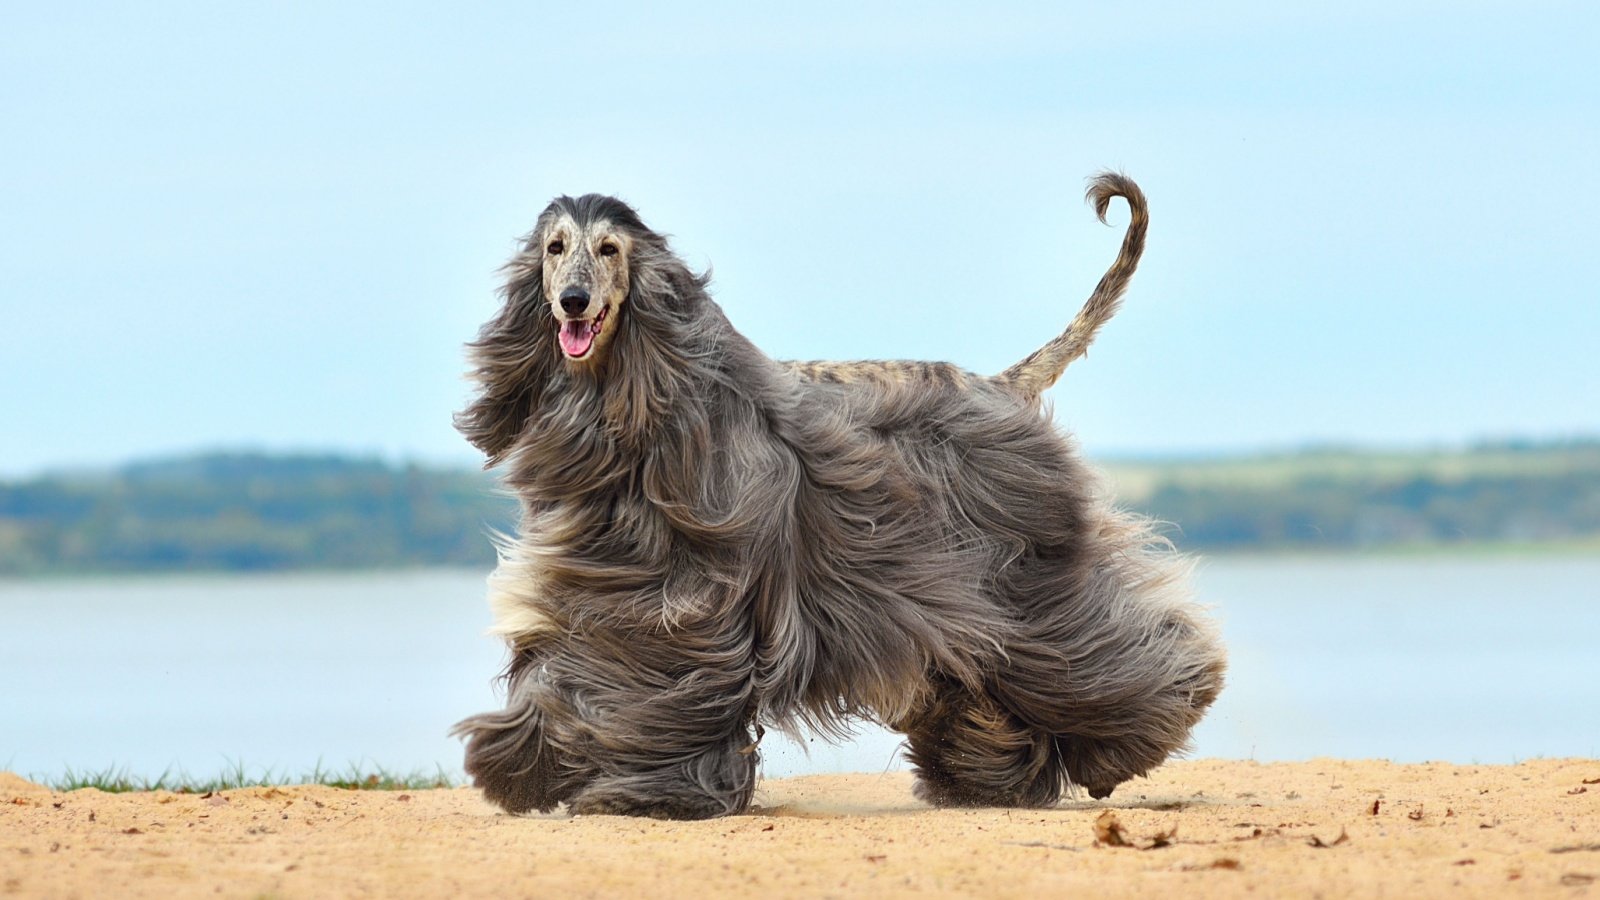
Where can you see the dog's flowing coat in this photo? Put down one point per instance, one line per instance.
(713, 542)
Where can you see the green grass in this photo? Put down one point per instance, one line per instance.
(116, 780)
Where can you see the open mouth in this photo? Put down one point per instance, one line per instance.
(577, 335)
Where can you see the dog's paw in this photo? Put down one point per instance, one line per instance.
(1101, 792)
(509, 761)
(945, 795)
(517, 798)
(650, 808)
(945, 792)
(613, 800)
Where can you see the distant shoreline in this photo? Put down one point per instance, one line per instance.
(242, 512)
(1441, 552)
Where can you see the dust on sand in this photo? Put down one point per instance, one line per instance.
(1194, 829)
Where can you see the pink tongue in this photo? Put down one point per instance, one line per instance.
(575, 338)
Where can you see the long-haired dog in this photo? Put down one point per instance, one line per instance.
(713, 542)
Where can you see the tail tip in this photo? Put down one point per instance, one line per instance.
(1108, 184)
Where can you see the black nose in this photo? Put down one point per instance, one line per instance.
(574, 300)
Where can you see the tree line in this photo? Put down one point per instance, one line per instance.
(257, 512)
(250, 512)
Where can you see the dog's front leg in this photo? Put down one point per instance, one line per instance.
(510, 754)
(714, 780)
(669, 720)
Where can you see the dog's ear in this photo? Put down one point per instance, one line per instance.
(662, 340)
(512, 360)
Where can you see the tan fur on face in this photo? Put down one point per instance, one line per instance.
(581, 262)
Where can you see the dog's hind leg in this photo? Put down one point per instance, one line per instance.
(1162, 692)
(1120, 682)
(970, 751)
(1100, 751)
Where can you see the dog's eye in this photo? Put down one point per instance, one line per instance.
(608, 249)
(554, 248)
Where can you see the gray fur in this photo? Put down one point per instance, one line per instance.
(713, 542)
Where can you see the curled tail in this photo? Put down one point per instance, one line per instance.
(1043, 366)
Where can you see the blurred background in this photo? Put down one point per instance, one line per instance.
(241, 247)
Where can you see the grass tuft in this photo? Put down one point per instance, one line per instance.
(355, 777)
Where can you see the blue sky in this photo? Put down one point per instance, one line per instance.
(274, 225)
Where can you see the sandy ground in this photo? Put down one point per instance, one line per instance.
(1325, 828)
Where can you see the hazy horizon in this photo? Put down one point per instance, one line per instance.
(1110, 456)
(1372, 223)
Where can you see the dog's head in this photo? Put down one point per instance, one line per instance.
(588, 274)
(584, 247)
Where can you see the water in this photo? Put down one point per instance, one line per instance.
(1454, 659)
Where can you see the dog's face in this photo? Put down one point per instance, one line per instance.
(585, 275)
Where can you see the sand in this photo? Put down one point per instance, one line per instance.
(1328, 828)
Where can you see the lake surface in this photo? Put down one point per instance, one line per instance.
(1468, 660)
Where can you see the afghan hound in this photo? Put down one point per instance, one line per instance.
(713, 542)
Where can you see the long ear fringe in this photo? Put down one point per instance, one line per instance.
(513, 360)
(662, 343)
